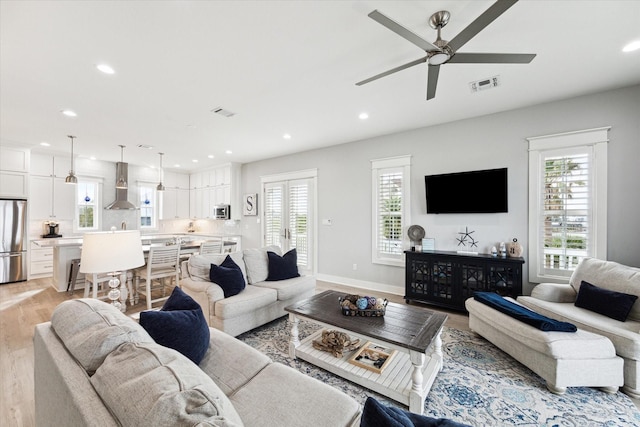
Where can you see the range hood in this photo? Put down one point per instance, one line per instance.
(121, 202)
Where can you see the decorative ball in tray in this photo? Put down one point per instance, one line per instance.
(356, 305)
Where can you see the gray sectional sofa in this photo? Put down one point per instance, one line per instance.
(260, 302)
(94, 366)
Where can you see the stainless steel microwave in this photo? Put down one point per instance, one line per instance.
(222, 212)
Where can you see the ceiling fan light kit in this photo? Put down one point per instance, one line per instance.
(442, 52)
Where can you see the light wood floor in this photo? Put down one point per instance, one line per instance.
(24, 305)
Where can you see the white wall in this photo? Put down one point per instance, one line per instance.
(493, 141)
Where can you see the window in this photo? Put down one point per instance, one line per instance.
(87, 202)
(567, 202)
(391, 207)
(148, 205)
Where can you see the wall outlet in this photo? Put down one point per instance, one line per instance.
(355, 266)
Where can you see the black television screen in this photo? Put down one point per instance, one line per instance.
(482, 191)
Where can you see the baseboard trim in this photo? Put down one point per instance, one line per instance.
(362, 284)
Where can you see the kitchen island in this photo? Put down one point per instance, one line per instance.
(66, 249)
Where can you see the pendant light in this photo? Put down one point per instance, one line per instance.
(121, 183)
(160, 187)
(71, 179)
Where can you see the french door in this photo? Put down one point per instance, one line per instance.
(288, 218)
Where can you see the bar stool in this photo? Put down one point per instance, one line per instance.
(211, 247)
(92, 284)
(163, 262)
(73, 275)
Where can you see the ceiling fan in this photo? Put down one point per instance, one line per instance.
(442, 52)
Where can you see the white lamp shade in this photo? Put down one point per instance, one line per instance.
(110, 251)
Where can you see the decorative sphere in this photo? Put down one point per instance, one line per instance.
(362, 303)
(380, 302)
(372, 302)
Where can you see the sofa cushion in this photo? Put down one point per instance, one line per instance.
(290, 288)
(180, 325)
(257, 263)
(283, 267)
(558, 345)
(228, 276)
(609, 275)
(623, 335)
(615, 305)
(198, 266)
(252, 299)
(261, 401)
(91, 329)
(148, 384)
(231, 363)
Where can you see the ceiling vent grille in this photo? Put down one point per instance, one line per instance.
(484, 84)
(223, 112)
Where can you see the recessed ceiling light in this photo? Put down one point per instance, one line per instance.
(145, 146)
(286, 136)
(229, 152)
(363, 116)
(45, 144)
(176, 165)
(92, 157)
(69, 113)
(105, 68)
(211, 156)
(635, 45)
(195, 160)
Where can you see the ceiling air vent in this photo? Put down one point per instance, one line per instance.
(223, 112)
(484, 84)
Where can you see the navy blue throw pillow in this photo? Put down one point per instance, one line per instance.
(228, 276)
(283, 267)
(615, 305)
(375, 414)
(180, 325)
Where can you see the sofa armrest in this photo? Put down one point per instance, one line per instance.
(554, 292)
(204, 293)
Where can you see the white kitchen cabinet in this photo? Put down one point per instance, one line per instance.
(40, 261)
(14, 159)
(14, 168)
(13, 184)
(51, 198)
(175, 198)
(220, 185)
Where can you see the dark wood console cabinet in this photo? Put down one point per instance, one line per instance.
(447, 279)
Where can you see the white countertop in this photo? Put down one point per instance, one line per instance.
(77, 241)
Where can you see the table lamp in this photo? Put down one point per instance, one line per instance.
(111, 252)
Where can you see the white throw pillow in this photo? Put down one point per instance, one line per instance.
(91, 329)
(257, 263)
(148, 384)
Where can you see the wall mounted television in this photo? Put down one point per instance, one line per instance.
(480, 191)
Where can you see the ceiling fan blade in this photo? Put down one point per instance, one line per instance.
(492, 58)
(432, 81)
(489, 15)
(394, 70)
(403, 32)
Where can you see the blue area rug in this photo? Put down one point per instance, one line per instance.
(479, 385)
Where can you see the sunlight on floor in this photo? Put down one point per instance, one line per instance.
(16, 299)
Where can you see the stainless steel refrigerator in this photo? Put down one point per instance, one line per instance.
(13, 240)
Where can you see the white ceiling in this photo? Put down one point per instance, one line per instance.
(282, 67)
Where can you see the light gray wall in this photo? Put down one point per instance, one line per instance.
(492, 141)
